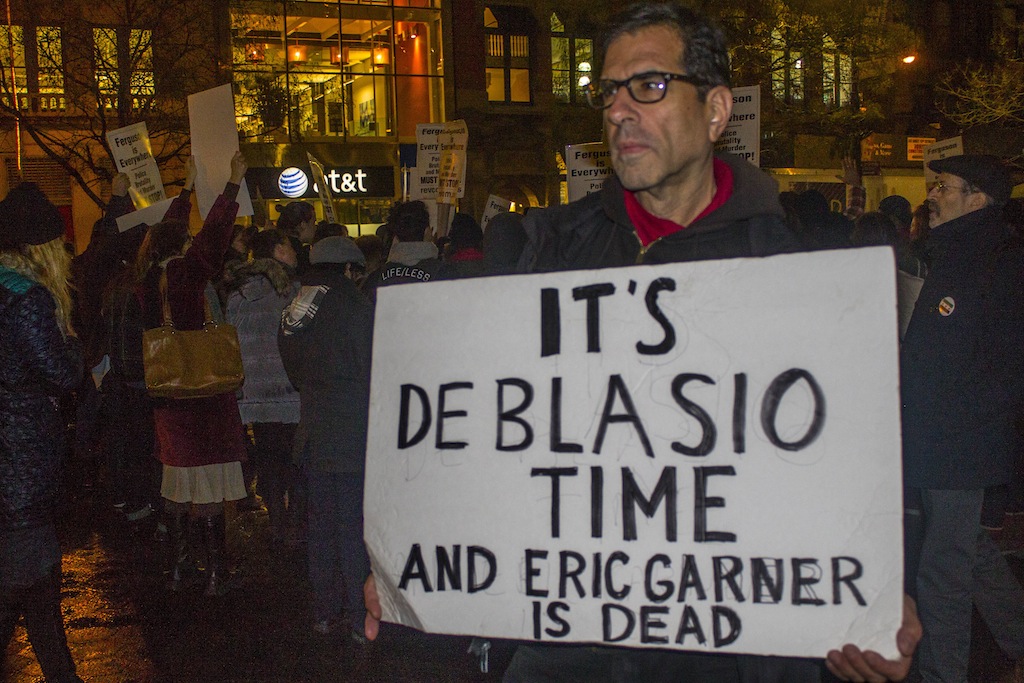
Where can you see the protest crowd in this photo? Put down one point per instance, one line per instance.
(291, 441)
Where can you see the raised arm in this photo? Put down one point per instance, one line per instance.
(182, 204)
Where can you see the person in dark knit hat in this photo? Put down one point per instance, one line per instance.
(40, 359)
(464, 256)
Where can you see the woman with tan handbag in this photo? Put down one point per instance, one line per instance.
(199, 441)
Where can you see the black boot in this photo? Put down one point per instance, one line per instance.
(216, 560)
(181, 564)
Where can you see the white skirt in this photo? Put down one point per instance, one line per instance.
(203, 484)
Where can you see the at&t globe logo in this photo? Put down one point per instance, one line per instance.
(293, 182)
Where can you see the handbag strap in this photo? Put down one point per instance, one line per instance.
(167, 321)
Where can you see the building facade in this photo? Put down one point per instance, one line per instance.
(346, 82)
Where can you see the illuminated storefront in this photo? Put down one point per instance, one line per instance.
(358, 75)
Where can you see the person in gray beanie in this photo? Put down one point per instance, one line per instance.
(325, 341)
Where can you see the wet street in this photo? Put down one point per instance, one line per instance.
(124, 627)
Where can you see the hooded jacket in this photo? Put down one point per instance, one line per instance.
(264, 287)
(596, 232)
(962, 362)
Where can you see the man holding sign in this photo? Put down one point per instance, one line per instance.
(665, 96)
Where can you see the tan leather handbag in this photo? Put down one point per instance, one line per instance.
(190, 363)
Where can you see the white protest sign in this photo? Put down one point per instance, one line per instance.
(429, 143)
(211, 119)
(586, 167)
(133, 156)
(495, 205)
(698, 456)
(453, 165)
(943, 149)
(323, 189)
(154, 213)
(742, 135)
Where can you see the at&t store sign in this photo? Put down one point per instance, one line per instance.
(344, 182)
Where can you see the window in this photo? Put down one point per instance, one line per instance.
(837, 75)
(797, 75)
(123, 60)
(787, 71)
(508, 55)
(571, 63)
(37, 67)
(327, 70)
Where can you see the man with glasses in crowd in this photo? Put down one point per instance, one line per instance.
(962, 382)
(664, 92)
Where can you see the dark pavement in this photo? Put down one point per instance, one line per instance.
(124, 627)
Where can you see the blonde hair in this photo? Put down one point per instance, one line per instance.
(49, 265)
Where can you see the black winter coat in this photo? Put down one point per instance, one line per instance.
(325, 342)
(37, 365)
(962, 362)
(595, 232)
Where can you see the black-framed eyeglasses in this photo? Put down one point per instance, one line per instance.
(646, 88)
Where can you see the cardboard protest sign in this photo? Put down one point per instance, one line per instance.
(586, 167)
(432, 140)
(134, 157)
(943, 149)
(211, 119)
(699, 456)
(452, 170)
(742, 135)
(154, 213)
(323, 190)
(494, 206)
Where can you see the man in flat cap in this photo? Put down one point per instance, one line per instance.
(962, 386)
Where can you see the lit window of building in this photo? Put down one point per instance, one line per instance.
(787, 70)
(37, 67)
(508, 55)
(797, 74)
(837, 75)
(123, 64)
(572, 61)
(335, 69)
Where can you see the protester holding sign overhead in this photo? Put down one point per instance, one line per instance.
(666, 100)
(198, 440)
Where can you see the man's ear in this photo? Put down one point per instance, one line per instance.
(718, 105)
(978, 200)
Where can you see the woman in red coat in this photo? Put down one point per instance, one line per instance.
(198, 440)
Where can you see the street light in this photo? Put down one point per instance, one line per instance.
(909, 59)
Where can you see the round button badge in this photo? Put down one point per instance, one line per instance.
(946, 306)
